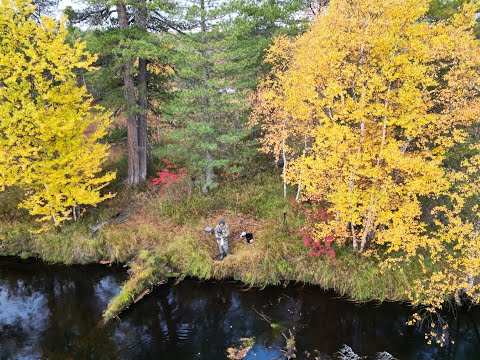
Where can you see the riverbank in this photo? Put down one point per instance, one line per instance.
(165, 237)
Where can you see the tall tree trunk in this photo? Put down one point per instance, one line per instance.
(299, 189)
(133, 177)
(142, 118)
(473, 255)
(354, 237)
(206, 70)
(209, 175)
(359, 150)
(142, 97)
(370, 216)
(352, 185)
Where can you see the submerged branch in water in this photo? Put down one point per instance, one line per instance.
(146, 271)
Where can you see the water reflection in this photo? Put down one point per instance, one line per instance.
(22, 321)
(54, 312)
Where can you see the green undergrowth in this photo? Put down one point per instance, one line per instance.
(70, 245)
(259, 196)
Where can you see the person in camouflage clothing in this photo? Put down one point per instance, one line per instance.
(221, 234)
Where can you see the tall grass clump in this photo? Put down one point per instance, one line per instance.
(189, 256)
(72, 245)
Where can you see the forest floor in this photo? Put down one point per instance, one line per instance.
(164, 236)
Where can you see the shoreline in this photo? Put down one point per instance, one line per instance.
(165, 237)
(173, 280)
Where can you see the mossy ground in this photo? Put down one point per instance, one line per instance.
(163, 231)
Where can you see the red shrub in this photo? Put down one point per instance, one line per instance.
(170, 179)
(314, 215)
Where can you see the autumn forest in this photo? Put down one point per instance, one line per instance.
(343, 134)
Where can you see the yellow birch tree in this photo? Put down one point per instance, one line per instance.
(49, 130)
(382, 96)
(385, 95)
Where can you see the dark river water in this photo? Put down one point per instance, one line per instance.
(54, 312)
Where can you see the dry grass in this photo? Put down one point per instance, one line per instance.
(174, 231)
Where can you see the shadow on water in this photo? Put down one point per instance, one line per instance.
(55, 312)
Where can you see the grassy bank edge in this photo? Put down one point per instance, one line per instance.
(164, 237)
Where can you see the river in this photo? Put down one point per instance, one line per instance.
(54, 312)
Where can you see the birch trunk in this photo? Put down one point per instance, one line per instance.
(370, 217)
(299, 189)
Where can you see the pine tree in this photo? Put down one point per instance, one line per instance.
(126, 45)
(218, 65)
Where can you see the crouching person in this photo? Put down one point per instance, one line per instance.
(221, 234)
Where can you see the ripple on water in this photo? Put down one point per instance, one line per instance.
(137, 347)
(165, 332)
(132, 339)
(183, 331)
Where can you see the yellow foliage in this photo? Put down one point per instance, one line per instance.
(366, 105)
(48, 136)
